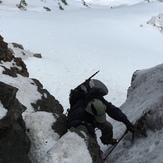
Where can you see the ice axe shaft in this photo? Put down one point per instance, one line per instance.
(93, 75)
(115, 145)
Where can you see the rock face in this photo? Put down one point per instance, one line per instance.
(19, 143)
(149, 85)
(15, 144)
(92, 144)
(157, 22)
(49, 104)
(18, 66)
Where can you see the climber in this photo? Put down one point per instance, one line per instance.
(89, 108)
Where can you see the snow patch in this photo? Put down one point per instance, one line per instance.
(69, 148)
(3, 111)
(24, 54)
(41, 134)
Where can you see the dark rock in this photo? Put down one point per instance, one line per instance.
(37, 55)
(7, 94)
(16, 45)
(6, 55)
(60, 7)
(60, 125)
(64, 1)
(48, 102)
(15, 144)
(10, 72)
(91, 142)
(47, 8)
(20, 63)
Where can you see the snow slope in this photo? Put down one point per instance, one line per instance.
(145, 99)
(110, 36)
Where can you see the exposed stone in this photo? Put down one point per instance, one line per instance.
(60, 125)
(15, 144)
(47, 8)
(64, 1)
(157, 21)
(91, 142)
(6, 55)
(37, 55)
(23, 71)
(60, 7)
(12, 127)
(16, 45)
(7, 94)
(48, 102)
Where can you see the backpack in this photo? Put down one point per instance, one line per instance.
(80, 91)
(98, 86)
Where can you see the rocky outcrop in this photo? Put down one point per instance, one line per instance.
(15, 144)
(144, 108)
(91, 142)
(17, 136)
(148, 84)
(17, 65)
(157, 21)
(48, 103)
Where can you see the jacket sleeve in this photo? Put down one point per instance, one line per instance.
(115, 113)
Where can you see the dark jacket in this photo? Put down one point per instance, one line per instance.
(77, 113)
(112, 111)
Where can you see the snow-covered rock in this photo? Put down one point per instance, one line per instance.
(157, 21)
(25, 107)
(144, 107)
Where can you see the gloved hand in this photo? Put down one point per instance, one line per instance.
(130, 127)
